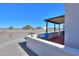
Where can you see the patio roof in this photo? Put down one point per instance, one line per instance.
(57, 20)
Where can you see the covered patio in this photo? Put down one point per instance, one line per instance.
(57, 37)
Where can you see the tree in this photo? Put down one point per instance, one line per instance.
(11, 27)
(28, 27)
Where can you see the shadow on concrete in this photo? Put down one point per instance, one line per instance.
(26, 49)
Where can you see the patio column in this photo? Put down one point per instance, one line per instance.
(54, 27)
(46, 27)
(47, 30)
(59, 30)
(59, 27)
(63, 27)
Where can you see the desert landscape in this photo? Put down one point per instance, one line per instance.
(10, 39)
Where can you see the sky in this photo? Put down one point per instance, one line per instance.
(21, 14)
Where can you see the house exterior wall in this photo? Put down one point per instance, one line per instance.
(72, 25)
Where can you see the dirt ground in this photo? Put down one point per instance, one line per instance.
(10, 39)
(12, 42)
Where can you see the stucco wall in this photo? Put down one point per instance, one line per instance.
(45, 48)
(72, 25)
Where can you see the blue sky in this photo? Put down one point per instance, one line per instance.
(19, 15)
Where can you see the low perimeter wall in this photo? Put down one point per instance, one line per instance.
(45, 48)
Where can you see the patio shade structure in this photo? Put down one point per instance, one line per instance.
(56, 20)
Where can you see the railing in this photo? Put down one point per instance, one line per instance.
(50, 35)
(47, 35)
